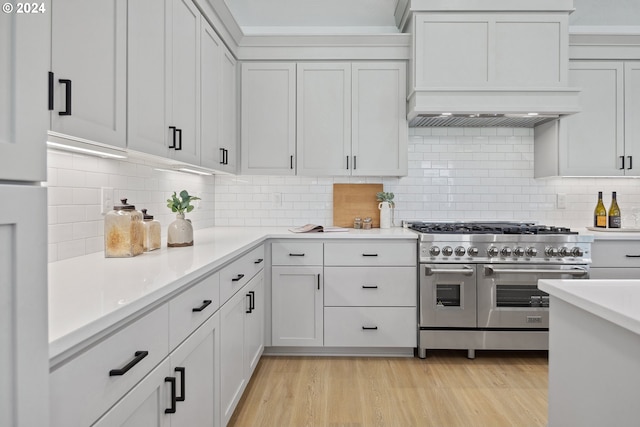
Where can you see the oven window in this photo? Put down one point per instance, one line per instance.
(448, 296)
(521, 296)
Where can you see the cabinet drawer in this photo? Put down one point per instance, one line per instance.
(191, 308)
(237, 274)
(296, 253)
(375, 253)
(370, 326)
(615, 253)
(83, 389)
(370, 286)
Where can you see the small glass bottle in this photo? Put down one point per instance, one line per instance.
(600, 213)
(123, 231)
(366, 223)
(152, 231)
(614, 213)
(357, 223)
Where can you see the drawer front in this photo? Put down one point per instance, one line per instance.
(191, 308)
(615, 253)
(237, 274)
(370, 326)
(296, 253)
(83, 389)
(370, 286)
(374, 253)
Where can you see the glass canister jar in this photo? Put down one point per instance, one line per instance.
(152, 231)
(367, 223)
(123, 231)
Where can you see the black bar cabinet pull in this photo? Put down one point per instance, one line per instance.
(252, 300)
(173, 129)
(50, 91)
(204, 305)
(248, 295)
(296, 254)
(632, 256)
(172, 409)
(179, 147)
(226, 156)
(347, 162)
(67, 97)
(369, 286)
(291, 162)
(182, 371)
(139, 355)
(318, 281)
(258, 261)
(237, 278)
(622, 158)
(354, 163)
(630, 162)
(369, 328)
(222, 156)
(369, 254)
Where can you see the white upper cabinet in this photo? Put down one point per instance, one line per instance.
(328, 118)
(210, 96)
(89, 62)
(324, 118)
(632, 116)
(378, 119)
(24, 118)
(228, 146)
(268, 118)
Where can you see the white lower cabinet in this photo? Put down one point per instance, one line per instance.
(615, 259)
(370, 326)
(242, 342)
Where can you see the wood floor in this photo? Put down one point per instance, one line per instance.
(445, 390)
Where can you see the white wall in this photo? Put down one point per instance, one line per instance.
(76, 226)
(454, 174)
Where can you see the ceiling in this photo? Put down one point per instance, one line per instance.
(314, 16)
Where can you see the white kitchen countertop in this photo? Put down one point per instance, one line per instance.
(90, 294)
(607, 234)
(617, 301)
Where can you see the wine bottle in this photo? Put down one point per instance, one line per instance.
(600, 213)
(614, 213)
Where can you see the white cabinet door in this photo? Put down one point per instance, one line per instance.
(232, 354)
(24, 343)
(595, 136)
(268, 116)
(185, 82)
(297, 306)
(24, 119)
(210, 95)
(254, 324)
(229, 114)
(378, 115)
(89, 62)
(324, 118)
(145, 404)
(196, 366)
(147, 70)
(632, 115)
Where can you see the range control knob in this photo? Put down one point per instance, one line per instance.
(519, 251)
(434, 251)
(472, 251)
(577, 252)
(447, 251)
(505, 251)
(492, 251)
(531, 252)
(551, 252)
(564, 252)
(459, 251)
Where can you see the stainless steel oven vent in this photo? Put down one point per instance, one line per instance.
(481, 120)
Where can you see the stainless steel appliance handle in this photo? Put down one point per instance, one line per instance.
(467, 271)
(575, 271)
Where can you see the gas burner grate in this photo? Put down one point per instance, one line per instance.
(487, 228)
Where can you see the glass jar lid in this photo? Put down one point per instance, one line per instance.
(124, 206)
(145, 216)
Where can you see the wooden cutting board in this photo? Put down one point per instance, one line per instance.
(355, 200)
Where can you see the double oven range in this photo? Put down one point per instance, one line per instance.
(479, 282)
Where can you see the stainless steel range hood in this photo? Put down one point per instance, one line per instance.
(481, 120)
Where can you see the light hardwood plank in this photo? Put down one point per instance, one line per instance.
(444, 390)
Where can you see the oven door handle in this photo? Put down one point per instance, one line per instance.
(467, 271)
(575, 271)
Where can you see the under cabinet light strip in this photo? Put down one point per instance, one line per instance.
(97, 151)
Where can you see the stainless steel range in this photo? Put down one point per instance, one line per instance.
(479, 282)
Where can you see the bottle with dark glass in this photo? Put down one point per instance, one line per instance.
(614, 213)
(600, 213)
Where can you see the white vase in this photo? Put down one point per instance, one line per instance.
(180, 232)
(385, 214)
